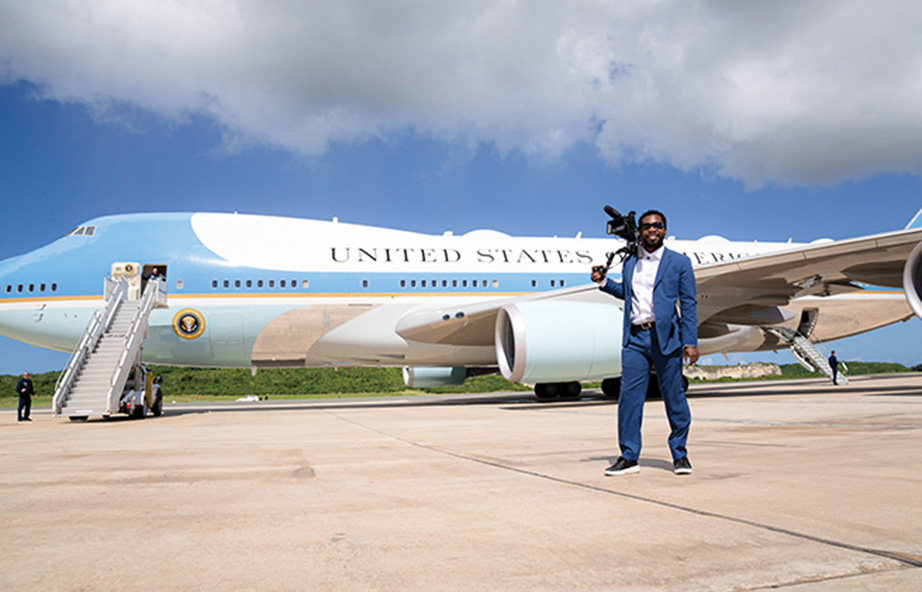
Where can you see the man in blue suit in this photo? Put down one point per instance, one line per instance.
(660, 327)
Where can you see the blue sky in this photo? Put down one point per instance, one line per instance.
(526, 119)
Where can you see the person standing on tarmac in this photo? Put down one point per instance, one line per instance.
(26, 392)
(654, 334)
(834, 364)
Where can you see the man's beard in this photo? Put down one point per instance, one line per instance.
(651, 246)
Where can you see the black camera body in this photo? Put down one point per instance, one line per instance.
(624, 227)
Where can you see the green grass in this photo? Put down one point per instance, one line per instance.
(193, 384)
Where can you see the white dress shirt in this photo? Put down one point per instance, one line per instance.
(642, 286)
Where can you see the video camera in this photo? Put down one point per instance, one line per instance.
(624, 227)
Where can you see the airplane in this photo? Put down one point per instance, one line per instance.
(267, 292)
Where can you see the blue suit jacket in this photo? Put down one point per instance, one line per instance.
(675, 282)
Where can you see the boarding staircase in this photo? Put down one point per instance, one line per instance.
(806, 353)
(95, 376)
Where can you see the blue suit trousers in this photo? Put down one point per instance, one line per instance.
(637, 357)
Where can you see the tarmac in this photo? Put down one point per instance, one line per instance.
(797, 485)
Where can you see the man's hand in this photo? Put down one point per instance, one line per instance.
(691, 354)
(598, 274)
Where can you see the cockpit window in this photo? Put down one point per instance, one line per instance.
(82, 231)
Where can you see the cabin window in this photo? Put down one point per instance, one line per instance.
(249, 283)
(454, 283)
(9, 288)
(19, 288)
(179, 284)
(236, 283)
(463, 283)
(271, 283)
(534, 283)
(305, 284)
(364, 283)
(41, 287)
(563, 283)
(495, 283)
(403, 283)
(214, 284)
(282, 283)
(54, 287)
(444, 283)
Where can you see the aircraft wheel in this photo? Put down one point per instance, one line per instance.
(611, 388)
(571, 389)
(78, 418)
(157, 409)
(138, 412)
(653, 390)
(546, 391)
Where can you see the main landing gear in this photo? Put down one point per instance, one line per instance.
(611, 387)
(555, 391)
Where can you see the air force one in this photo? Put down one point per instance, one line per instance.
(268, 292)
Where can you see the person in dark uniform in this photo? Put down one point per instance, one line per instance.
(655, 334)
(26, 392)
(834, 364)
(154, 274)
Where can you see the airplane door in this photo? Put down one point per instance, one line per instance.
(152, 270)
(130, 272)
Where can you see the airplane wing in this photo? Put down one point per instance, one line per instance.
(473, 323)
(756, 286)
(748, 291)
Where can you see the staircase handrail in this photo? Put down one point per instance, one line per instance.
(115, 292)
(134, 337)
(804, 351)
(824, 351)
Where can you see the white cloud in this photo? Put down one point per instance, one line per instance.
(791, 92)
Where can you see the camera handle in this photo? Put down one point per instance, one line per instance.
(603, 269)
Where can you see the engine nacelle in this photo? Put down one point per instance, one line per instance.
(558, 341)
(912, 280)
(423, 377)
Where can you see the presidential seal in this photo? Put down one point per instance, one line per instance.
(188, 323)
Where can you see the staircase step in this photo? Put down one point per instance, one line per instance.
(89, 391)
(86, 402)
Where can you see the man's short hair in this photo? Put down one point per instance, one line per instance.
(653, 213)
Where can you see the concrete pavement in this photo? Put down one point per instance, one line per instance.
(797, 485)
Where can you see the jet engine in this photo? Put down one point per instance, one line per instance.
(423, 377)
(551, 342)
(912, 280)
